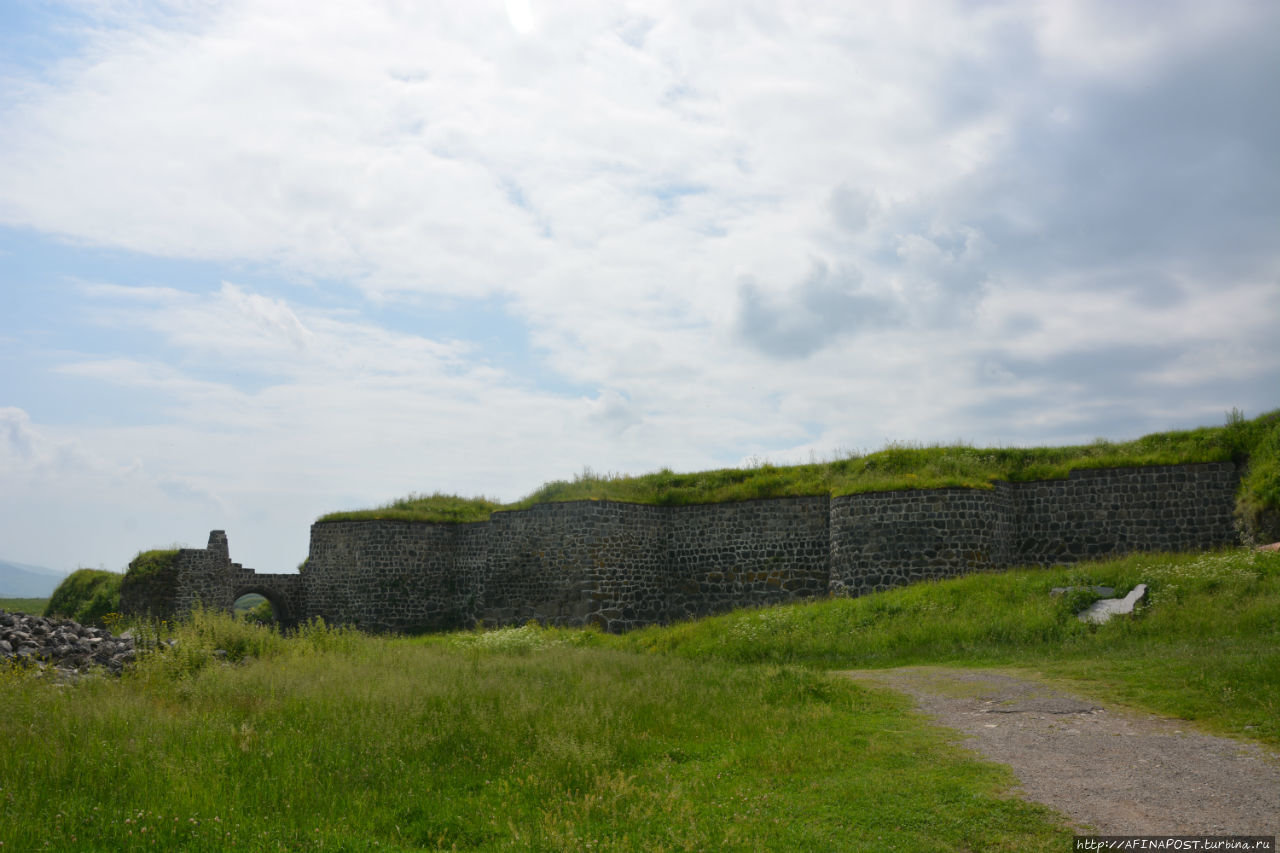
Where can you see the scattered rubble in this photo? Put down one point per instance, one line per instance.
(61, 644)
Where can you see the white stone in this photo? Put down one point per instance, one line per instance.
(1103, 609)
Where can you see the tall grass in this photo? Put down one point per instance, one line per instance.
(335, 741)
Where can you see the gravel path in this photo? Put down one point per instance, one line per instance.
(1116, 771)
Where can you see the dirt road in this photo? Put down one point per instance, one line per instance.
(1110, 770)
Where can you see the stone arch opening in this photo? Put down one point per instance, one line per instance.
(279, 611)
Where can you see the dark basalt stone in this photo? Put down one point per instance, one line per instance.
(64, 645)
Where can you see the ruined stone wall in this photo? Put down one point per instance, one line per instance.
(615, 565)
(204, 575)
(621, 566)
(207, 577)
(153, 596)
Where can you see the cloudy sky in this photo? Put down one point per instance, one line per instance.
(264, 259)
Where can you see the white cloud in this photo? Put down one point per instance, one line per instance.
(28, 453)
(70, 506)
(731, 228)
(520, 13)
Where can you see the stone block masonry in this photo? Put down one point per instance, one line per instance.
(880, 540)
(621, 566)
(614, 565)
(1098, 512)
(208, 578)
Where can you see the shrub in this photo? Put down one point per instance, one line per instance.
(87, 595)
(261, 613)
(1258, 506)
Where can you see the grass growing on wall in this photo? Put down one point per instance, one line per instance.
(436, 507)
(898, 466)
(149, 563)
(1258, 505)
(87, 595)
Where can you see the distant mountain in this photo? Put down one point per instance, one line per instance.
(19, 580)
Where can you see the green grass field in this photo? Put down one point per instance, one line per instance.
(34, 606)
(726, 733)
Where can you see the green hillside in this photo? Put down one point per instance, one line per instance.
(87, 595)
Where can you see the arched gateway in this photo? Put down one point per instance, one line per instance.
(207, 577)
(279, 607)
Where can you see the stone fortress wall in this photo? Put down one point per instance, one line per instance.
(622, 566)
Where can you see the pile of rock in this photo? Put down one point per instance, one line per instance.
(61, 644)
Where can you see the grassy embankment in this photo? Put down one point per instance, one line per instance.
(86, 595)
(727, 733)
(896, 467)
(1207, 647)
